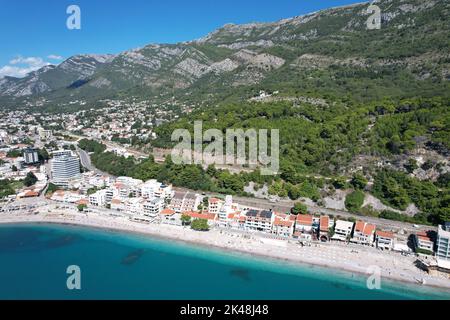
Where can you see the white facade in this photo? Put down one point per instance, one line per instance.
(65, 168)
(98, 199)
(443, 242)
(342, 230)
(153, 208)
(154, 189)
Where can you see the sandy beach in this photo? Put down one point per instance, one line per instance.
(342, 257)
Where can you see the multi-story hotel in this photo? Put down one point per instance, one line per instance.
(185, 202)
(443, 242)
(259, 220)
(65, 168)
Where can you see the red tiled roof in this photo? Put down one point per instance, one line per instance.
(31, 194)
(207, 216)
(369, 229)
(305, 219)
(167, 212)
(282, 223)
(360, 226)
(385, 234)
(422, 235)
(324, 223)
(214, 200)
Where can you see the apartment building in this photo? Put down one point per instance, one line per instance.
(443, 242)
(152, 208)
(185, 202)
(154, 189)
(214, 205)
(364, 233)
(118, 204)
(129, 187)
(384, 240)
(283, 226)
(423, 241)
(342, 230)
(65, 168)
(259, 220)
(30, 156)
(304, 223)
(98, 199)
(324, 228)
(225, 211)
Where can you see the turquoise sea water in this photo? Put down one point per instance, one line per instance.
(34, 259)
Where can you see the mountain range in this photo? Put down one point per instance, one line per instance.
(329, 52)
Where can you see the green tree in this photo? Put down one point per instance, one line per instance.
(358, 181)
(185, 219)
(30, 179)
(299, 208)
(354, 201)
(411, 165)
(200, 225)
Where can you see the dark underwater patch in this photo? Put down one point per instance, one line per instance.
(133, 257)
(242, 274)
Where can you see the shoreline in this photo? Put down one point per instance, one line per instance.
(318, 255)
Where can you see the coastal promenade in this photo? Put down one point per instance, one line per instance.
(339, 257)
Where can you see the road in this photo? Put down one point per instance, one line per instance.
(85, 160)
(135, 153)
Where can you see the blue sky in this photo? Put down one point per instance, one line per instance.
(34, 33)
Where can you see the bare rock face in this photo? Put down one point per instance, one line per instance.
(84, 65)
(191, 68)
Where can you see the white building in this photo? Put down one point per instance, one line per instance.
(283, 226)
(342, 230)
(65, 168)
(259, 220)
(98, 199)
(133, 206)
(118, 204)
(214, 205)
(129, 187)
(185, 202)
(423, 241)
(152, 208)
(154, 189)
(443, 242)
(225, 211)
(384, 240)
(364, 233)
